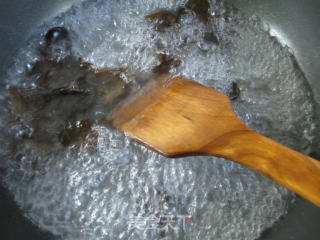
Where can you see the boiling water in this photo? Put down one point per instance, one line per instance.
(111, 193)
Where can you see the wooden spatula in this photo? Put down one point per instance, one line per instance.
(176, 116)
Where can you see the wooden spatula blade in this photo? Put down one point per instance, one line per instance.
(171, 115)
(176, 116)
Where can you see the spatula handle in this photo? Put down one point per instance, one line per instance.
(292, 169)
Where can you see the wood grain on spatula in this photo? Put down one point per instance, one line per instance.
(176, 116)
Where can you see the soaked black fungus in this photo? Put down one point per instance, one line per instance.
(70, 90)
(65, 92)
(200, 8)
(211, 37)
(57, 44)
(165, 64)
(56, 34)
(234, 91)
(315, 155)
(75, 133)
(105, 122)
(163, 19)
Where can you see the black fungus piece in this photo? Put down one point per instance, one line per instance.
(162, 19)
(25, 100)
(51, 75)
(57, 44)
(200, 8)
(315, 154)
(211, 37)
(165, 64)
(234, 91)
(106, 122)
(56, 34)
(75, 133)
(65, 92)
(108, 84)
(68, 91)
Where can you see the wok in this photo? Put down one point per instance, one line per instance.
(293, 22)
